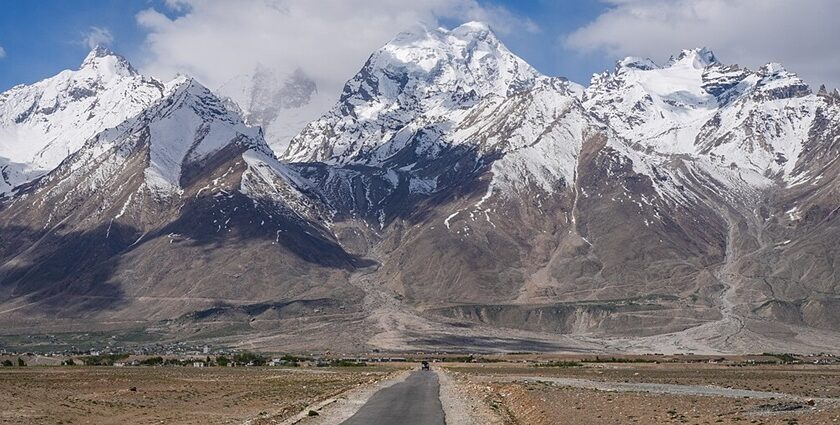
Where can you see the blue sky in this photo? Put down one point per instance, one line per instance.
(215, 40)
(41, 38)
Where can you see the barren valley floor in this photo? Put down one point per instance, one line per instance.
(511, 391)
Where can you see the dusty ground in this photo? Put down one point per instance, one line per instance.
(800, 380)
(487, 394)
(170, 395)
(527, 395)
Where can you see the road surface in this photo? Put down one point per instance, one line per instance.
(415, 401)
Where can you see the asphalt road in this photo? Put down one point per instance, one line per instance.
(415, 401)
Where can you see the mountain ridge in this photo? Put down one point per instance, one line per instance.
(452, 193)
(44, 122)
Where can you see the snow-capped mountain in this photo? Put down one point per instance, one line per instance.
(181, 125)
(683, 206)
(756, 121)
(419, 80)
(428, 111)
(43, 123)
(533, 190)
(161, 215)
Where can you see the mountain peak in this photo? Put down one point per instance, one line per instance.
(471, 53)
(187, 126)
(99, 51)
(183, 82)
(635, 62)
(418, 75)
(187, 84)
(103, 59)
(186, 91)
(472, 27)
(422, 35)
(697, 58)
(773, 68)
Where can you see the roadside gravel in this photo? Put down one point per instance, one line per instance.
(463, 402)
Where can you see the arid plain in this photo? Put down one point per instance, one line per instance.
(511, 389)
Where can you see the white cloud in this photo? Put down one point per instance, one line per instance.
(2, 52)
(328, 39)
(800, 34)
(97, 36)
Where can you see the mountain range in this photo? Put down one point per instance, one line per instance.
(453, 197)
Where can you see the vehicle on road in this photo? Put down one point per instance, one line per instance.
(425, 366)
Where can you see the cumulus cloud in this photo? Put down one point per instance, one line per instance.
(97, 36)
(2, 52)
(800, 34)
(328, 39)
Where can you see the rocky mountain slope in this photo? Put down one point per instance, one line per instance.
(452, 197)
(180, 208)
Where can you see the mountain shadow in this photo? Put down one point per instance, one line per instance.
(64, 274)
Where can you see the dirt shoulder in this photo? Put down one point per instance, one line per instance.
(464, 403)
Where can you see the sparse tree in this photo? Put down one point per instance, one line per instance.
(249, 359)
(222, 361)
(152, 361)
(21, 363)
(7, 363)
